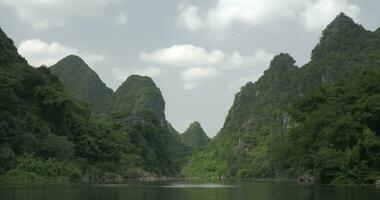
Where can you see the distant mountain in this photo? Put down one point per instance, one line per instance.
(305, 121)
(137, 101)
(137, 94)
(194, 136)
(83, 83)
(45, 132)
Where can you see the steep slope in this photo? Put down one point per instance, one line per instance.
(46, 132)
(258, 110)
(137, 94)
(194, 136)
(178, 151)
(34, 111)
(335, 132)
(249, 144)
(83, 83)
(137, 101)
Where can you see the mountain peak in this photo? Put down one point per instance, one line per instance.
(82, 82)
(138, 94)
(137, 79)
(340, 35)
(282, 60)
(341, 24)
(342, 17)
(73, 60)
(195, 136)
(195, 124)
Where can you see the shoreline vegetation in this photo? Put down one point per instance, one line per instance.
(319, 123)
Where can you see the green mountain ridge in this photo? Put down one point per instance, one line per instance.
(139, 93)
(83, 83)
(136, 99)
(136, 94)
(46, 133)
(259, 139)
(319, 121)
(194, 136)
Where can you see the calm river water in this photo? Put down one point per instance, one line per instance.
(188, 191)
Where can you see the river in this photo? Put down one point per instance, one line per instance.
(252, 190)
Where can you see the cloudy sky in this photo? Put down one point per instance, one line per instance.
(199, 52)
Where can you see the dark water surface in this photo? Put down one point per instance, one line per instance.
(187, 191)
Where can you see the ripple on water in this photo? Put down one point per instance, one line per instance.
(204, 185)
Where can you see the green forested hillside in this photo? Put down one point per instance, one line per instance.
(194, 136)
(137, 96)
(320, 120)
(258, 111)
(317, 120)
(139, 93)
(45, 132)
(83, 83)
(335, 132)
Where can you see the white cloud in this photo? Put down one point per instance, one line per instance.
(38, 52)
(193, 75)
(259, 58)
(197, 73)
(249, 12)
(319, 13)
(312, 13)
(189, 17)
(202, 65)
(184, 55)
(122, 75)
(42, 14)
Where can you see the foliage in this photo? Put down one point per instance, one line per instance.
(46, 132)
(310, 120)
(83, 83)
(195, 137)
(335, 138)
(49, 167)
(139, 94)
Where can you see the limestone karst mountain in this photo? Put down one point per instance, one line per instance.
(194, 136)
(83, 83)
(261, 136)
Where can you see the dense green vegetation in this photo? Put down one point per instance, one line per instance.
(320, 120)
(138, 94)
(335, 135)
(136, 97)
(45, 132)
(83, 83)
(241, 147)
(195, 137)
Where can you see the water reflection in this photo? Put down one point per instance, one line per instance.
(188, 191)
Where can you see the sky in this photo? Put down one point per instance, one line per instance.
(199, 52)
